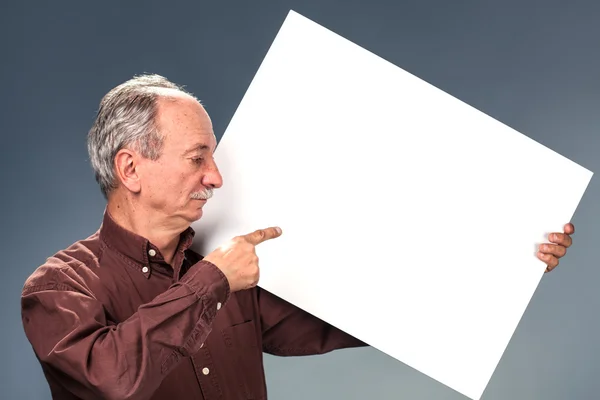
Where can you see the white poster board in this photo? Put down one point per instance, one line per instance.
(410, 219)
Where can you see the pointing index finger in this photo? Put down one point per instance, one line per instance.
(262, 235)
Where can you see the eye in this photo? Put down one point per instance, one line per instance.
(198, 160)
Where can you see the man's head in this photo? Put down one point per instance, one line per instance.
(152, 143)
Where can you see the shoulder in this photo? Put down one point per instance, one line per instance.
(67, 269)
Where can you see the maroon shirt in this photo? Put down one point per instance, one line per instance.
(108, 318)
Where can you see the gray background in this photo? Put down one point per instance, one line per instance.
(533, 65)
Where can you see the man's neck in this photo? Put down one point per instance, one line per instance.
(146, 223)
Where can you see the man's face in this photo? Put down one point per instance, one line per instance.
(175, 184)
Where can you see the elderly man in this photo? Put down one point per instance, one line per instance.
(131, 312)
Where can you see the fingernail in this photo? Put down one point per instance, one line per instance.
(278, 229)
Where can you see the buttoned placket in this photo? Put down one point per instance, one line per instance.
(202, 361)
(206, 374)
(146, 268)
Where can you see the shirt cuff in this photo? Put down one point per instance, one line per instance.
(210, 285)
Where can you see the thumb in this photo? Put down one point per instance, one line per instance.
(262, 235)
(569, 229)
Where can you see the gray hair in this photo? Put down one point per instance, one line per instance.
(126, 117)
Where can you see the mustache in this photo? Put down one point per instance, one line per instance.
(204, 194)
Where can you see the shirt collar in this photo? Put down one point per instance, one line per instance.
(134, 246)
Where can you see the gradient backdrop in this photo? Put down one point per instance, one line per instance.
(533, 65)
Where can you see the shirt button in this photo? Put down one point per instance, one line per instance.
(205, 371)
(145, 269)
(218, 306)
(152, 252)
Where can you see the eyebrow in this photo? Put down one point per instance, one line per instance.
(200, 147)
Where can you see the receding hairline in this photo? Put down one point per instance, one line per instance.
(171, 94)
(171, 98)
(174, 96)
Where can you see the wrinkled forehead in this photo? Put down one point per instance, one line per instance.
(184, 122)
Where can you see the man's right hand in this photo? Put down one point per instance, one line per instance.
(238, 260)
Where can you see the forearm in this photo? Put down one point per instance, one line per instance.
(128, 360)
(291, 331)
(315, 337)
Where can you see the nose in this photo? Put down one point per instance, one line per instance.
(212, 178)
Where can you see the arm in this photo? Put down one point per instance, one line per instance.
(289, 331)
(68, 330)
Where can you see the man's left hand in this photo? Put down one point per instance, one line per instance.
(550, 253)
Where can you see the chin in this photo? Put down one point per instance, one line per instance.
(197, 214)
(192, 212)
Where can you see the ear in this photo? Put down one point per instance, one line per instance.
(126, 168)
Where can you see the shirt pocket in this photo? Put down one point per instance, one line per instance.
(242, 343)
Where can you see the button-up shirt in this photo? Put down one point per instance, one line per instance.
(108, 318)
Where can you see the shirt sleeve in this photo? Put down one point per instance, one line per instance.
(68, 330)
(290, 331)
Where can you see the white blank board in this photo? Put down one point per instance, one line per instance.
(410, 219)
